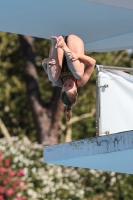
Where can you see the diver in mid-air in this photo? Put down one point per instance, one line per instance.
(68, 67)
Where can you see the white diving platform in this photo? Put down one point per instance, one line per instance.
(112, 152)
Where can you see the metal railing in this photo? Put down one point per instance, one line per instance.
(115, 68)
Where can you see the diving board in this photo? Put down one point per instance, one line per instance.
(110, 153)
(103, 25)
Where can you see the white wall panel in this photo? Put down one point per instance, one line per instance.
(116, 102)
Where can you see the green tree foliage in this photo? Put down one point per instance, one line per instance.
(13, 101)
(14, 108)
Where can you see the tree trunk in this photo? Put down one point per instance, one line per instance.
(46, 117)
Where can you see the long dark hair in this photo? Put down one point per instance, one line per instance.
(69, 99)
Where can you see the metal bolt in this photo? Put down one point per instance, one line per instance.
(106, 86)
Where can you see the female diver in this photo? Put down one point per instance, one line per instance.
(68, 67)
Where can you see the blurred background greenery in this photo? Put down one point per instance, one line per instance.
(18, 117)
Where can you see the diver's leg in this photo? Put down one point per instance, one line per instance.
(75, 47)
(53, 64)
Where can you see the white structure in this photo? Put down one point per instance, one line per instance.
(114, 100)
(111, 152)
(103, 25)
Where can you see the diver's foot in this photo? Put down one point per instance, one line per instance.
(54, 40)
(59, 42)
(48, 62)
(44, 63)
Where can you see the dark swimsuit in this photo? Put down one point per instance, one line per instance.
(65, 71)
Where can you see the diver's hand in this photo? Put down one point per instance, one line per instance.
(60, 42)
